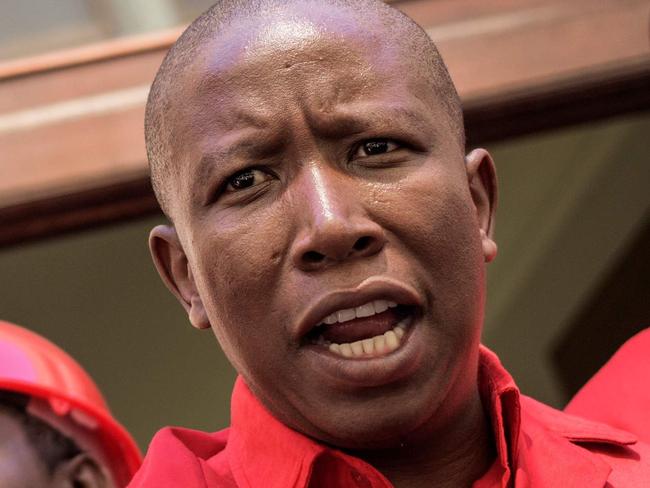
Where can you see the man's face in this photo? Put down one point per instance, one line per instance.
(323, 199)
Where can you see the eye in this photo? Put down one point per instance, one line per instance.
(246, 179)
(375, 147)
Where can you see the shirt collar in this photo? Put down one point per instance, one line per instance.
(501, 400)
(262, 448)
(537, 445)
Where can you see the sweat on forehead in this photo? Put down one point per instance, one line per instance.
(274, 19)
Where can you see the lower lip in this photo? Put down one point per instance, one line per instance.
(355, 372)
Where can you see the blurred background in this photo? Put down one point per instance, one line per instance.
(558, 91)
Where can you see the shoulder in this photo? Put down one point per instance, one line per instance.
(618, 394)
(583, 448)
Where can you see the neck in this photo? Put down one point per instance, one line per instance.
(455, 456)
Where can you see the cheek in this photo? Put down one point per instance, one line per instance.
(457, 269)
(238, 270)
(437, 227)
(433, 211)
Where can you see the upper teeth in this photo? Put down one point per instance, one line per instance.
(365, 310)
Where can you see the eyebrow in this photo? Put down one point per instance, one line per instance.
(209, 160)
(354, 119)
(206, 164)
(250, 140)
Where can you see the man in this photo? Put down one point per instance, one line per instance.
(328, 227)
(55, 429)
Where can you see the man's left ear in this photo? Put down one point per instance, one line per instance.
(81, 471)
(482, 180)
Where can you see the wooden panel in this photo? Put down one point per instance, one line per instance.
(92, 53)
(522, 47)
(59, 158)
(71, 123)
(590, 95)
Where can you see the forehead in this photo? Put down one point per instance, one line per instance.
(320, 52)
(298, 57)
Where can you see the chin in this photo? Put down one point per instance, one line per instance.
(382, 426)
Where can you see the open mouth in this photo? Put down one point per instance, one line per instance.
(374, 329)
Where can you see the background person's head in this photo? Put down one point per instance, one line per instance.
(33, 453)
(311, 158)
(55, 428)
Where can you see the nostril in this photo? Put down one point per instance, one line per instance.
(319, 252)
(313, 257)
(363, 243)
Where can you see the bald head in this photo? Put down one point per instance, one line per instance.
(387, 27)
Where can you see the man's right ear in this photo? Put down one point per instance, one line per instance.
(174, 269)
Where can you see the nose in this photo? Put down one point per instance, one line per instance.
(334, 226)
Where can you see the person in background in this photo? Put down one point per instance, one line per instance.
(619, 394)
(55, 428)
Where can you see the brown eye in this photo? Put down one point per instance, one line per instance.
(375, 147)
(246, 179)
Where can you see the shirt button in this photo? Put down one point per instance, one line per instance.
(359, 479)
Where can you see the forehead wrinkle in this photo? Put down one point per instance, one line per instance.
(214, 104)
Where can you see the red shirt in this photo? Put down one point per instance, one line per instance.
(619, 394)
(536, 446)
